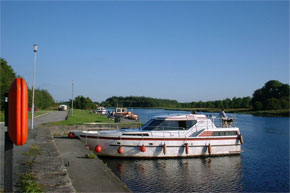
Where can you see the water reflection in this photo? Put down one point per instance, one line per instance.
(176, 175)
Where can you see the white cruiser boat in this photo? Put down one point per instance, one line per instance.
(101, 110)
(166, 136)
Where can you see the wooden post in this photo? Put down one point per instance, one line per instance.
(8, 155)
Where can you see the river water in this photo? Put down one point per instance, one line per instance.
(263, 166)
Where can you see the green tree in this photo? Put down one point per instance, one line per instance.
(246, 102)
(273, 95)
(81, 102)
(7, 76)
(42, 99)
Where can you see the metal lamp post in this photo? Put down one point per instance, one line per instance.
(33, 86)
(72, 99)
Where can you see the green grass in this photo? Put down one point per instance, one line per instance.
(1, 116)
(91, 155)
(272, 113)
(33, 151)
(81, 117)
(28, 183)
(36, 113)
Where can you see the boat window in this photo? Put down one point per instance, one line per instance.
(224, 133)
(136, 134)
(190, 123)
(157, 125)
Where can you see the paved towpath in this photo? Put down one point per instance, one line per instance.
(87, 175)
(19, 150)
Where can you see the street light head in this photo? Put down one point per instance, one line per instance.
(35, 47)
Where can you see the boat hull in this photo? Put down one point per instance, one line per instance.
(163, 147)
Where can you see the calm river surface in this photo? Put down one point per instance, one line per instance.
(263, 166)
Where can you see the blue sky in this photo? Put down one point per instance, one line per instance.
(188, 50)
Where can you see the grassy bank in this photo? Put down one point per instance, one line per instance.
(272, 113)
(36, 113)
(82, 117)
(1, 116)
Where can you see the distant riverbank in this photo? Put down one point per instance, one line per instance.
(271, 113)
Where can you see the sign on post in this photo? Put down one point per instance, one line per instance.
(18, 111)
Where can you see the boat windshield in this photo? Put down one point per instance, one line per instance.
(160, 125)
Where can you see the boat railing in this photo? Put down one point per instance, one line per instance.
(230, 121)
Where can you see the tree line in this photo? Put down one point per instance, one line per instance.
(228, 103)
(134, 101)
(43, 98)
(273, 95)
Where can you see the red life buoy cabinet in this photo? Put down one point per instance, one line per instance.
(18, 111)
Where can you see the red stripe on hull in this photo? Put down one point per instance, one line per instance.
(206, 133)
(159, 139)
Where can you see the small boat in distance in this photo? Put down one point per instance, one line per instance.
(101, 110)
(126, 114)
(187, 135)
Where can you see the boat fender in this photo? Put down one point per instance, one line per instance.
(186, 148)
(164, 148)
(71, 135)
(143, 148)
(120, 150)
(209, 149)
(241, 139)
(98, 148)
